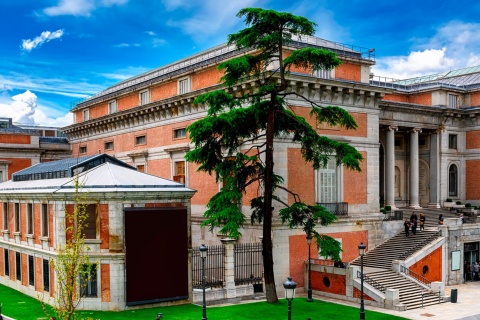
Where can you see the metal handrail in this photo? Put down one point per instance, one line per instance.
(416, 276)
(418, 246)
(336, 208)
(372, 282)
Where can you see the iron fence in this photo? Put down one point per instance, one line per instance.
(248, 263)
(416, 276)
(337, 208)
(372, 282)
(214, 267)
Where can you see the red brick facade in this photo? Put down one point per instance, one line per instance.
(429, 266)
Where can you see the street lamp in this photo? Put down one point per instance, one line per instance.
(203, 255)
(289, 287)
(309, 291)
(361, 251)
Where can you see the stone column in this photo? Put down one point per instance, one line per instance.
(414, 203)
(434, 173)
(390, 167)
(229, 282)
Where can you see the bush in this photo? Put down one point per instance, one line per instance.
(458, 202)
(388, 208)
(383, 211)
(468, 205)
(449, 200)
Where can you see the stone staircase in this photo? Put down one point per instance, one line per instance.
(410, 292)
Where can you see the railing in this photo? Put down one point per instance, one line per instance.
(416, 276)
(214, 267)
(372, 282)
(53, 140)
(418, 246)
(410, 84)
(394, 215)
(248, 263)
(337, 208)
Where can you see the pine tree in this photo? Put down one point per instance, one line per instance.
(236, 138)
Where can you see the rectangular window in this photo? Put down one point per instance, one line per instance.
(44, 219)
(112, 107)
(452, 141)
(86, 115)
(17, 217)
(18, 265)
(183, 86)
(31, 271)
(83, 149)
(179, 172)
(452, 101)
(88, 281)
(323, 74)
(30, 219)
(46, 275)
(1, 176)
(144, 97)
(6, 259)
(5, 216)
(90, 228)
(179, 133)
(140, 140)
(109, 145)
(328, 182)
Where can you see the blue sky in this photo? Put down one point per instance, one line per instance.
(53, 52)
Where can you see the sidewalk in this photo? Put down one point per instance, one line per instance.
(466, 308)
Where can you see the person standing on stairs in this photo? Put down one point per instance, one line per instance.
(422, 221)
(406, 224)
(440, 219)
(413, 223)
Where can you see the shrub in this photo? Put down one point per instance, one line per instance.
(458, 202)
(468, 205)
(388, 208)
(383, 211)
(449, 200)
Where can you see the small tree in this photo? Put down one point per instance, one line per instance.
(236, 138)
(72, 261)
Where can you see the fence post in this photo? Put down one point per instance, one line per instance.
(229, 265)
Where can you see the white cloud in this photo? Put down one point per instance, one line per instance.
(453, 46)
(80, 7)
(126, 45)
(157, 42)
(24, 109)
(150, 33)
(45, 36)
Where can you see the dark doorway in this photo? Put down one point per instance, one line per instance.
(156, 243)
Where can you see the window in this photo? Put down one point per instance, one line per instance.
(141, 168)
(88, 281)
(44, 220)
(112, 107)
(140, 140)
(17, 217)
(452, 101)
(46, 275)
(183, 85)
(31, 271)
(90, 228)
(86, 115)
(109, 145)
(179, 172)
(179, 133)
(144, 97)
(329, 183)
(18, 265)
(453, 180)
(6, 259)
(83, 149)
(1, 176)
(5, 216)
(323, 74)
(452, 141)
(30, 219)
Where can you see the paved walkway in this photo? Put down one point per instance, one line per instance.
(466, 308)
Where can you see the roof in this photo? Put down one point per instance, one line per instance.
(64, 168)
(107, 177)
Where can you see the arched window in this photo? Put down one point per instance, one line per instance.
(453, 180)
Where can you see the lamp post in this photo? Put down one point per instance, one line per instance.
(361, 251)
(309, 291)
(289, 287)
(203, 255)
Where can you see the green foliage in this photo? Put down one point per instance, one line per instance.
(72, 261)
(388, 208)
(317, 59)
(383, 211)
(468, 205)
(458, 202)
(449, 200)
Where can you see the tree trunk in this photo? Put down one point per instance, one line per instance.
(270, 290)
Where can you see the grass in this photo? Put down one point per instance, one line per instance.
(22, 307)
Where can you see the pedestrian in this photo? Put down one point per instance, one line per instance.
(406, 224)
(413, 217)
(462, 219)
(422, 221)
(440, 219)
(414, 226)
(469, 272)
(476, 268)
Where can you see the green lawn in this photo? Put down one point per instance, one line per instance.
(22, 307)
